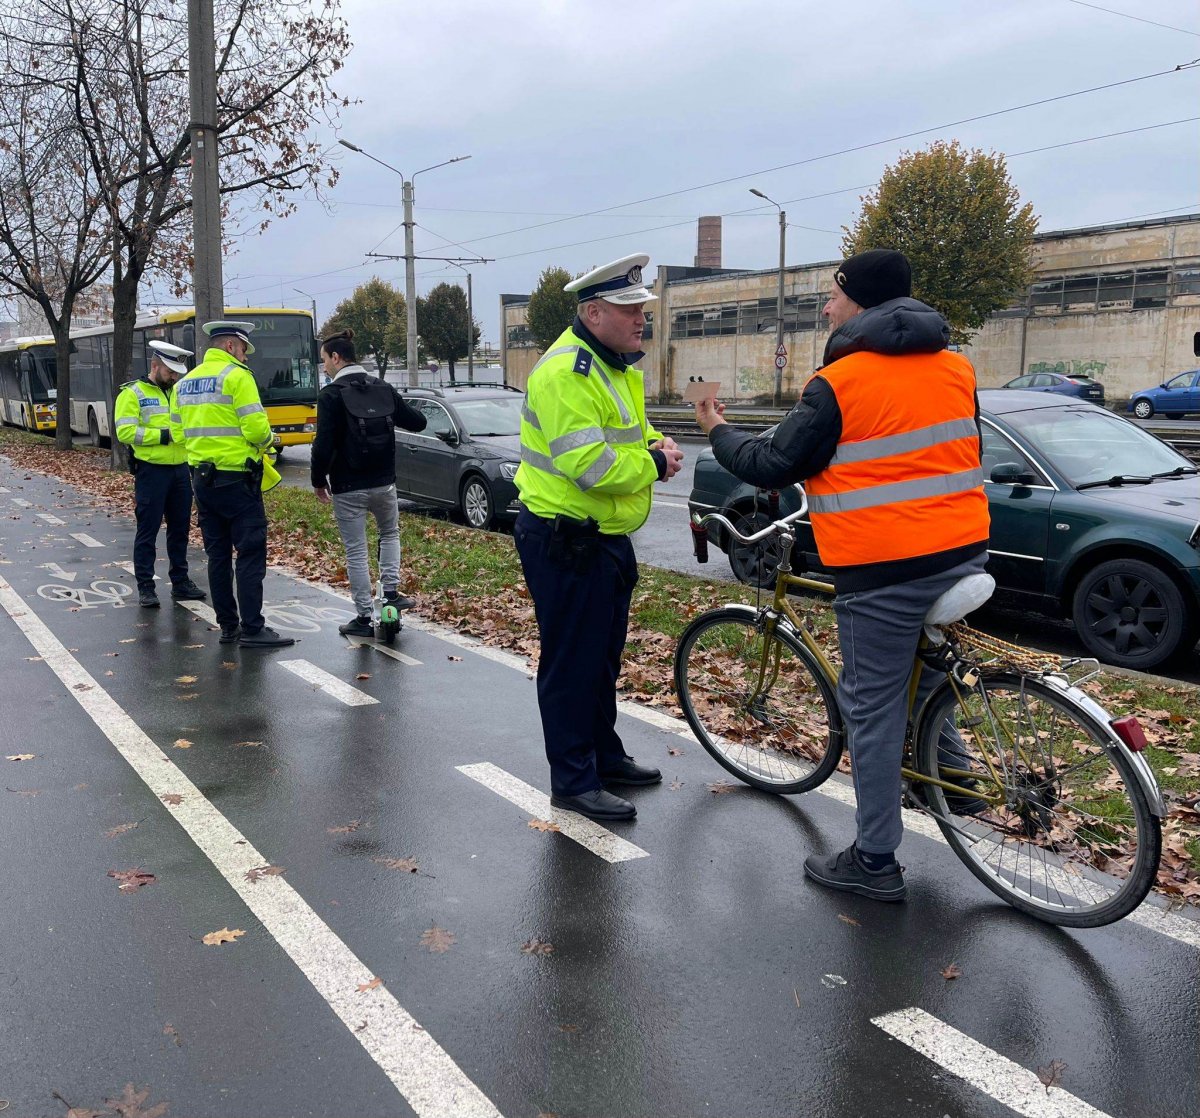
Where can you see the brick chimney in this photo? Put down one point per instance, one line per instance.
(708, 243)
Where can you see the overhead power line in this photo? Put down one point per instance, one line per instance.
(1127, 15)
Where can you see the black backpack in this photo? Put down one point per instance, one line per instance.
(370, 442)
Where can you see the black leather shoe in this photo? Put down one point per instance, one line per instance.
(630, 772)
(147, 598)
(400, 601)
(844, 871)
(264, 638)
(187, 591)
(230, 634)
(596, 804)
(358, 627)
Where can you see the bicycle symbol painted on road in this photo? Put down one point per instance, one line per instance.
(102, 592)
(296, 617)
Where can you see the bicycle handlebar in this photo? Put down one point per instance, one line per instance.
(698, 523)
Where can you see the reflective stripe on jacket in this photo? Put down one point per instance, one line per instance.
(218, 414)
(905, 480)
(141, 414)
(584, 440)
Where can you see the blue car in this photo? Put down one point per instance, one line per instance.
(1077, 385)
(1174, 398)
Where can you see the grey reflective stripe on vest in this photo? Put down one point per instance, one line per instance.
(129, 421)
(920, 439)
(573, 440)
(210, 432)
(540, 462)
(530, 417)
(250, 409)
(625, 416)
(940, 485)
(553, 353)
(615, 436)
(597, 469)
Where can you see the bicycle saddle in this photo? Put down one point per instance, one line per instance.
(966, 595)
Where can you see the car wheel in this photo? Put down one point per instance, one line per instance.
(93, 429)
(475, 502)
(1131, 613)
(754, 564)
(1143, 409)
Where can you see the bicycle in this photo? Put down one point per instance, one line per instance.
(1045, 798)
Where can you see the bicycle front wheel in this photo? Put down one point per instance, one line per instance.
(758, 702)
(1061, 828)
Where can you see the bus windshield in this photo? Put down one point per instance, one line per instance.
(42, 368)
(284, 358)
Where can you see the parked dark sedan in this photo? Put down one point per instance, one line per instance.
(1093, 519)
(1082, 386)
(467, 456)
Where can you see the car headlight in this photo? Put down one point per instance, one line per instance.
(509, 469)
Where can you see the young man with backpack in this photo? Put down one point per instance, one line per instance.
(354, 459)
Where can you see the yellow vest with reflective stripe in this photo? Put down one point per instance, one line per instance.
(583, 440)
(218, 414)
(140, 415)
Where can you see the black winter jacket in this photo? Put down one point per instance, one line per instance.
(807, 439)
(329, 469)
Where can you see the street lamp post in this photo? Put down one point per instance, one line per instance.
(313, 300)
(779, 303)
(470, 329)
(410, 258)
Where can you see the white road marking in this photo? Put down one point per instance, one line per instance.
(4, 489)
(22, 502)
(127, 566)
(420, 1069)
(668, 505)
(201, 610)
(85, 539)
(995, 1075)
(50, 518)
(58, 572)
(387, 650)
(330, 684)
(591, 835)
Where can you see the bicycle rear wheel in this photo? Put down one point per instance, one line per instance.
(759, 704)
(1062, 829)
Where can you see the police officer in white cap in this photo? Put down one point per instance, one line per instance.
(589, 460)
(161, 485)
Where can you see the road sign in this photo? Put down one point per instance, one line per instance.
(781, 350)
(780, 361)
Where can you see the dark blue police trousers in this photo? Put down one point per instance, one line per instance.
(232, 517)
(161, 490)
(582, 620)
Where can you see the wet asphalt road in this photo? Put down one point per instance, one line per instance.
(700, 977)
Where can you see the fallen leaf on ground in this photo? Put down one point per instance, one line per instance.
(951, 972)
(544, 825)
(536, 946)
(721, 787)
(349, 828)
(409, 865)
(132, 880)
(127, 640)
(438, 939)
(1051, 1075)
(363, 675)
(129, 1105)
(225, 935)
(370, 985)
(82, 687)
(675, 785)
(173, 1033)
(246, 744)
(263, 871)
(182, 743)
(192, 646)
(228, 665)
(21, 756)
(848, 919)
(186, 678)
(171, 798)
(25, 791)
(674, 751)
(456, 659)
(119, 830)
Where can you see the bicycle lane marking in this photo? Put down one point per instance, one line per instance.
(420, 1069)
(591, 836)
(995, 1075)
(86, 540)
(330, 684)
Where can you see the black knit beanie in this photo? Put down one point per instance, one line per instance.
(875, 276)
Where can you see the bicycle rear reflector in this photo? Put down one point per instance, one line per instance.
(1129, 730)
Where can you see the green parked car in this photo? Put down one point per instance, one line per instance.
(1093, 519)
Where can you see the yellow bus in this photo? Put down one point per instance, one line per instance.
(28, 383)
(284, 364)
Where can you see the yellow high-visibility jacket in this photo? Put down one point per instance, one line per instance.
(584, 439)
(218, 415)
(142, 420)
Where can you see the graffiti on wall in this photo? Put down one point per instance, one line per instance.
(1075, 368)
(753, 380)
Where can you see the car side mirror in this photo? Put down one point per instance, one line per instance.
(448, 437)
(1012, 473)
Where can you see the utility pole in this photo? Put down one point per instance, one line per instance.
(780, 348)
(313, 300)
(470, 327)
(410, 284)
(207, 282)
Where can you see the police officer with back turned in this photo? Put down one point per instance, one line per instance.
(224, 426)
(162, 486)
(588, 461)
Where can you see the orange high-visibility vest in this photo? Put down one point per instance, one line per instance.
(906, 480)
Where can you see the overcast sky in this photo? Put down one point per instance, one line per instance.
(570, 106)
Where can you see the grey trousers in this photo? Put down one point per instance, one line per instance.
(878, 631)
(350, 511)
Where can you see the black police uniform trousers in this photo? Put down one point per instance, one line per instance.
(582, 620)
(161, 491)
(232, 516)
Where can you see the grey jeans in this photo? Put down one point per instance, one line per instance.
(350, 511)
(878, 631)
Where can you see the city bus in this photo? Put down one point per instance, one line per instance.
(284, 364)
(28, 383)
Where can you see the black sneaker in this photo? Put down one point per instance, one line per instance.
(845, 871)
(361, 626)
(147, 597)
(264, 638)
(187, 591)
(400, 601)
(230, 634)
